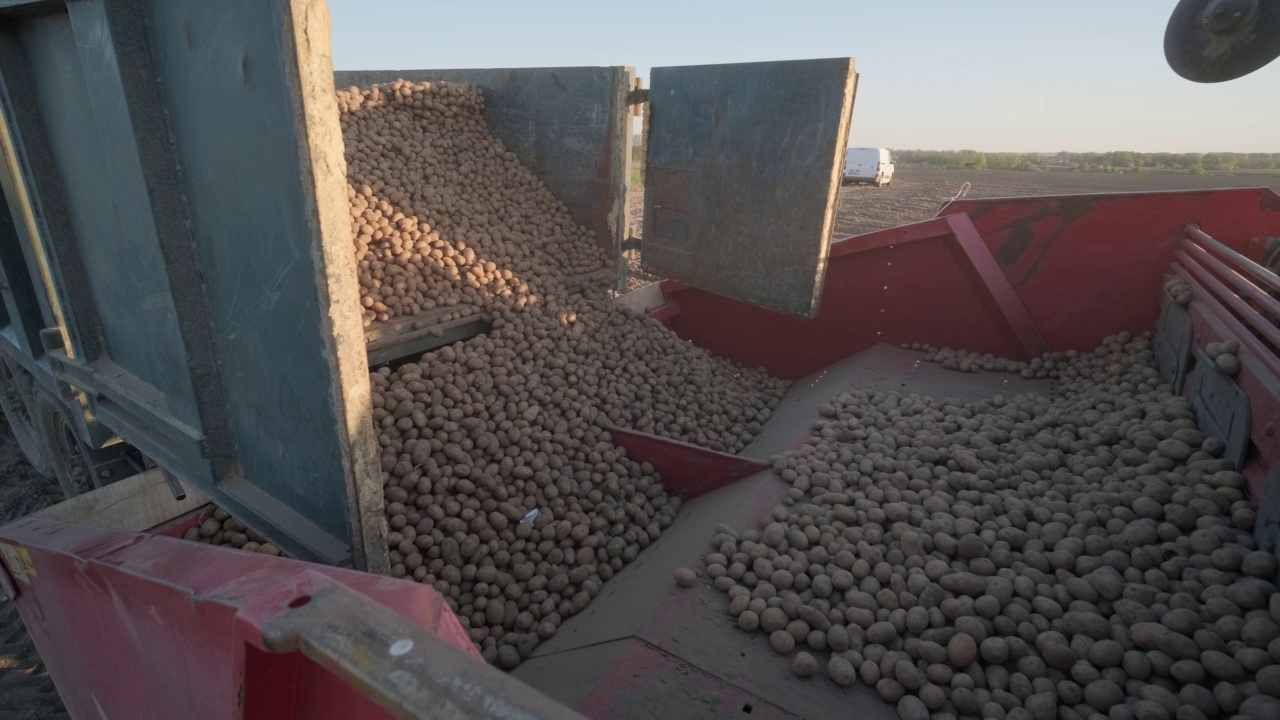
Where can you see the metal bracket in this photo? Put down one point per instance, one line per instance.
(1174, 335)
(637, 96)
(51, 339)
(404, 668)
(7, 586)
(1221, 407)
(1267, 526)
(175, 487)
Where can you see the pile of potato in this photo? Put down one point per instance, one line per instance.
(217, 527)
(504, 489)
(1087, 555)
(1046, 366)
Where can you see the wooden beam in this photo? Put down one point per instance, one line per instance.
(137, 503)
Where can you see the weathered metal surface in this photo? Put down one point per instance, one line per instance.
(183, 176)
(1258, 378)
(1229, 302)
(1221, 407)
(1213, 41)
(410, 337)
(1267, 527)
(1082, 267)
(406, 670)
(570, 126)
(77, 93)
(742, 175)
(140, 625)
(686, 470)
(882, 287)
(1172, 342)
(1088, 266)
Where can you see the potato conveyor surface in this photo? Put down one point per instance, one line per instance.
(645, 648)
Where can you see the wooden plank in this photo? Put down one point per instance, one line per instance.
(412, 340)
(137, 503)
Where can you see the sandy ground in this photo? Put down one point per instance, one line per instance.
(26, 690)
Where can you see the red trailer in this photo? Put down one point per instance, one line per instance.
(134, 622)
(140, 624)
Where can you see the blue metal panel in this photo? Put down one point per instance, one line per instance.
(742, 176)
(570, 126)
(180, 158)
(87, 128)
(21, 314)
(230, 91)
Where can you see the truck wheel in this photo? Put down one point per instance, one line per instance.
(15, 399)
(67, 457)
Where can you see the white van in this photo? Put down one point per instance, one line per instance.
(868, 165)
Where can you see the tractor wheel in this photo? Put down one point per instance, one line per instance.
(16, 386)
(68, 459)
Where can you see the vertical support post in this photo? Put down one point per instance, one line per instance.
(324, 168)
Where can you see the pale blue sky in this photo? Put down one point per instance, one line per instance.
(1013, 75)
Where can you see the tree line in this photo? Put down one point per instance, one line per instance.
(1115, 161)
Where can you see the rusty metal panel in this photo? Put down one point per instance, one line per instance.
(742, 176)
(570, 126)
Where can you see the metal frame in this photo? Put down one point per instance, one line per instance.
(230, 184)
(116, 616)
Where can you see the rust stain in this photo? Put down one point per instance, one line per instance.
(715, 119)
(1020, 243)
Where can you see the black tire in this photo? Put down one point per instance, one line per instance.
(68, 459)
(16, 386)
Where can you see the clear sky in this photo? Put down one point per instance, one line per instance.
(992, 75)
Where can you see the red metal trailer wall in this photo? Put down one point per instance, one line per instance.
(1011, 277)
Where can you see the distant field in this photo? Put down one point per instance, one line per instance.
(917, 194)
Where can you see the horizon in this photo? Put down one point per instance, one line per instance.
(933, 74)
(636, 136)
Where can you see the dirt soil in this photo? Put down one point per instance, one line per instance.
(918, 194)
(26, 690)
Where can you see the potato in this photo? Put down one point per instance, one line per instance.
(1040, 556)
(685, 577)
(500, 441)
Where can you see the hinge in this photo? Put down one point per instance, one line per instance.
(637, 96)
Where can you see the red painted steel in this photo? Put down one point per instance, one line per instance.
(144, 625)
(1081, 267)
(1248, 285)
(1256, 272)
(686, 470)
(137, 625)
(1088, 266)
(880, 287)
(1007, 302)
(1220, 309)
